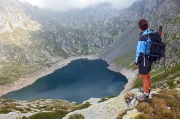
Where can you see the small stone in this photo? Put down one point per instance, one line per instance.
(168, 108)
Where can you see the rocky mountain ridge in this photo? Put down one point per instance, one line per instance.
(32, 38)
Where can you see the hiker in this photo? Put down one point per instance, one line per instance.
(143, 62)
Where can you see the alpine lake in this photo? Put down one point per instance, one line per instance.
(76, 82)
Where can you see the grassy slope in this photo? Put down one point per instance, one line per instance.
(157, 75)
(126, 60)
(164, 105)
(123, 45)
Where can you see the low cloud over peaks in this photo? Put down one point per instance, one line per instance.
(69, 4)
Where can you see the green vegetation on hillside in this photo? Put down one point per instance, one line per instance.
(59, 114)
(81, 106)
(105, 99)
(76, 116)
(127, 60)
(43, 108)
(157, 75)
(32, 38)
(164, 105)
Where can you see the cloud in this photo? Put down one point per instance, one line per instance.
(68, 4)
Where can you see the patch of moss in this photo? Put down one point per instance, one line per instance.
(102, 100)
(145, 108)
(4, 110)
(7, 108)
(105, 99)
(120, 115)
(143, 116)
(109, 97)
(82, 106)
(76, 116)
(49, 115)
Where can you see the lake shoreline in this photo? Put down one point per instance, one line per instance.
(31, 78)
(129, 74)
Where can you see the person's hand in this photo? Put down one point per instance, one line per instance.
(137, 67)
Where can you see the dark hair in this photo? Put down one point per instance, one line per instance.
(143, 24)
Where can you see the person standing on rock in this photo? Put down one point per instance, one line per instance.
(143, 62)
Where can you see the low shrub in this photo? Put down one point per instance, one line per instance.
(76, 116)
(49, 115)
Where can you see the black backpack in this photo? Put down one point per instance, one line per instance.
(157, 47)
(157, 51)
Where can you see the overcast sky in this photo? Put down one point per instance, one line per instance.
(68, 4)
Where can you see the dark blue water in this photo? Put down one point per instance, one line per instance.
(78, 81)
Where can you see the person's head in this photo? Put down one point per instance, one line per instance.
(143, 24)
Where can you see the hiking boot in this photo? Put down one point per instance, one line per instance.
(142, 97)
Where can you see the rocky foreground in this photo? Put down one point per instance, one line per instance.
(109, 109)
(124, 106)
(18, 109)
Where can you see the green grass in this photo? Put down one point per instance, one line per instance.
(105, 99)
(120, 115)
(164, 105)
(8, 108)
(158, 76)
(19, 55)
(76, 116)
(144, 108)
(143, 116)
(55, 109)
(177, 19)
(125, 60)
(49, 115)
(12, 71)
(102, 100)
(62, 112)
(81, 106)
(5, 110)
(8, 105)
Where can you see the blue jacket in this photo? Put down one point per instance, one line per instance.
(143, 47)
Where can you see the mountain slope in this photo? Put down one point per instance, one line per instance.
(32, 38)
(123, 45)
(158, 12)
